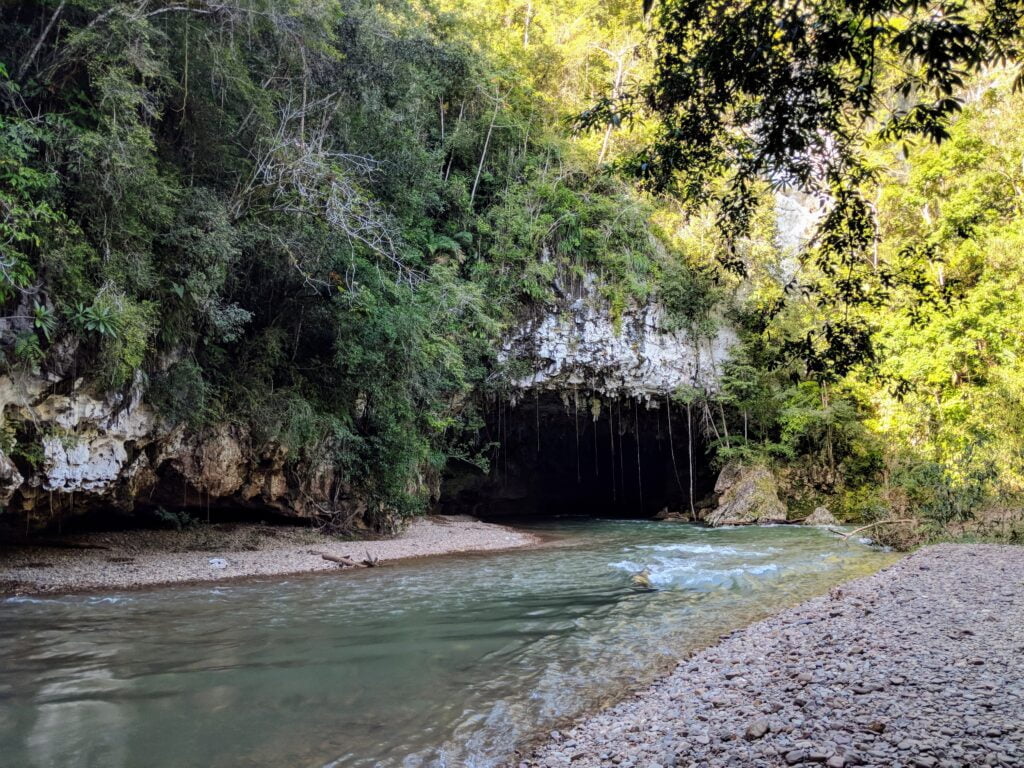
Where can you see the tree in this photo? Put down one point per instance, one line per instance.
(791, 93)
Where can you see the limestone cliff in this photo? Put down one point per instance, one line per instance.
(68, 449)
(580, 346)
(577, 344)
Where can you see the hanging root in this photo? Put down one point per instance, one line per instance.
(671, 443)
(639, 473)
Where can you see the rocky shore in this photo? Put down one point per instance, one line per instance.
(920, 665)
(122, 560)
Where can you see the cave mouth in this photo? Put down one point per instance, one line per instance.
(579, 453)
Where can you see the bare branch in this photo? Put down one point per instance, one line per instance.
(23, 69)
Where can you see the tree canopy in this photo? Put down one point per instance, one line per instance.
(794, 94)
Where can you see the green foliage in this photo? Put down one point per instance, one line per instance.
(933, 429)
(309, 219)
(316, 221)
(796, 93)
(690, 296)
(182, 394)
(20, 441)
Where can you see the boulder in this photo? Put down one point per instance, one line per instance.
(670, 514)
(821, 516)
(747, 495)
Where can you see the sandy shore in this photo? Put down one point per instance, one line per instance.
(919, 666)
(125, 560)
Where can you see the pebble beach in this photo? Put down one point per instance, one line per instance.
(132, 559)
(920, 665)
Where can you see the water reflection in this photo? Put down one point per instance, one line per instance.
(440, 663)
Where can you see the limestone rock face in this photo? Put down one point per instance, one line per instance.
(113, 451)
(577, 345)
(10, 479)
(821, 516)
(747, 494)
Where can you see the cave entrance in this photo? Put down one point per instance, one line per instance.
(582, 454)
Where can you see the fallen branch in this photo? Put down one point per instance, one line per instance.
(871, 525)
(343, 560)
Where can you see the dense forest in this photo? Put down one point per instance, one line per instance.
(319, 218)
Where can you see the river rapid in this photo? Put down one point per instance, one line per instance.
(439, 662)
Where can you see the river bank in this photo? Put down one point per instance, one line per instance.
(921, 664)
(133, 559)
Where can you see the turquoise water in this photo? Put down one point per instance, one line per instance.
(442, 662)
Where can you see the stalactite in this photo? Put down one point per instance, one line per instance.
(639, 471)
(595, 412)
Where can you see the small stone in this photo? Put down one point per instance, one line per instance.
(836, 761)
(924, 761)
(795, 756)
(757, 729)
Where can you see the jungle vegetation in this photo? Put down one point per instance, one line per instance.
(314, 218)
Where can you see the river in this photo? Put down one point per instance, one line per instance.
(438, 662)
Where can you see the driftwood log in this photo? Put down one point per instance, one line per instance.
(343, 560)
(347, 562)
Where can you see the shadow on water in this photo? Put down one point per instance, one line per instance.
(440, 663)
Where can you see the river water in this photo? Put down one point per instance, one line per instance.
(441, 662)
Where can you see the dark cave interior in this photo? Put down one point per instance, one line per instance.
(581, 454)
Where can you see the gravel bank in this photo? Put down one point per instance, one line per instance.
(919, 665)
(211, 553)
